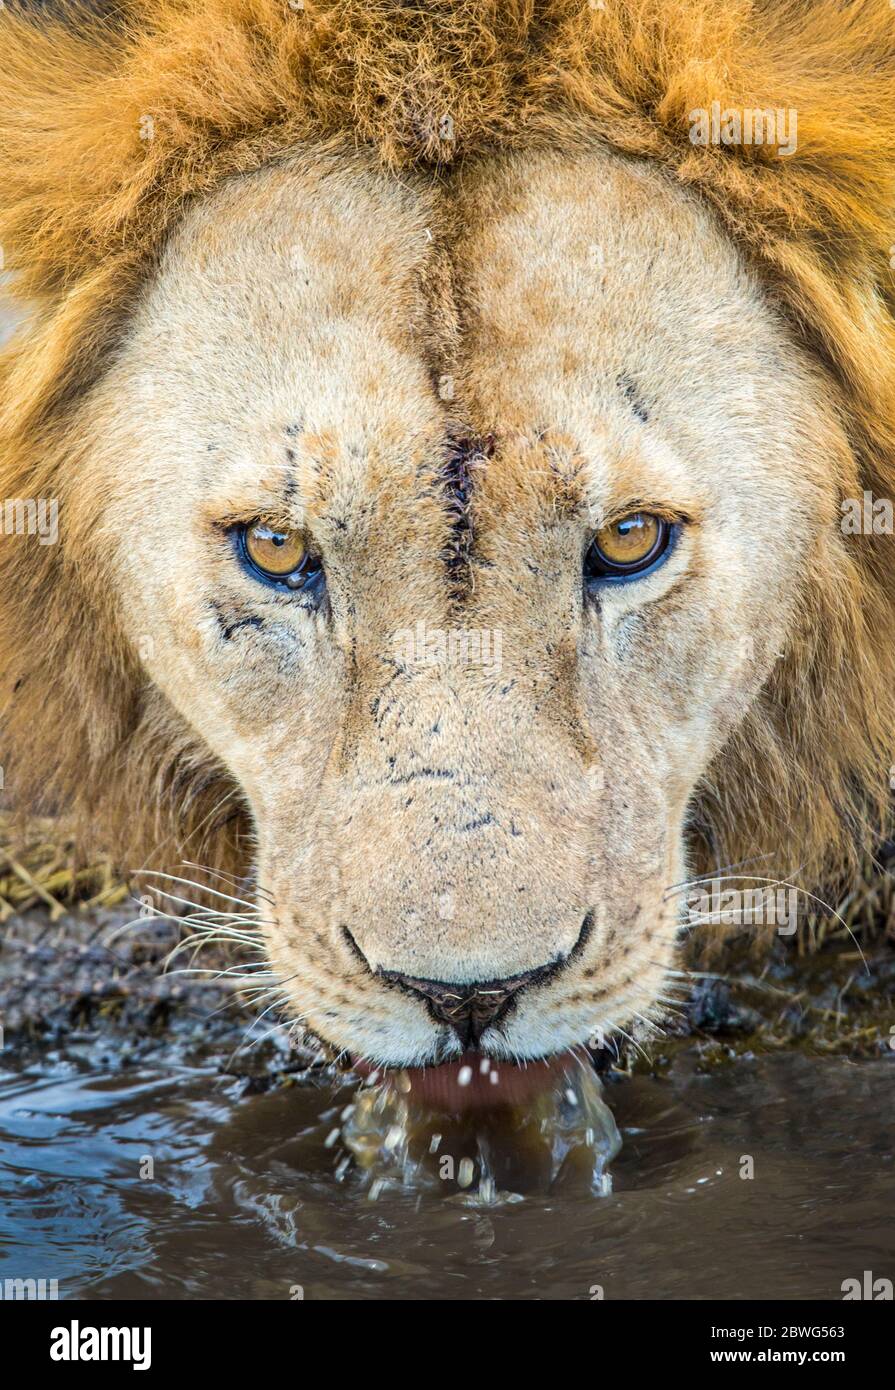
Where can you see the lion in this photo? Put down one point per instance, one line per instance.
(452, 410)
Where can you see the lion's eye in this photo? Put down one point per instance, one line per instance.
(628, 546)
(278, 554)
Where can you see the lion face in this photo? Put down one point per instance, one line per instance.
(354, 455)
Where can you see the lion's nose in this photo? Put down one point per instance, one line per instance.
(470, 1009)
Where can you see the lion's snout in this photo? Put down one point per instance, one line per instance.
(460, 900)
(456, 885)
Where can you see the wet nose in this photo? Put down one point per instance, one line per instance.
(470, 1009)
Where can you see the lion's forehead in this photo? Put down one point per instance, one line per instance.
(327, 338)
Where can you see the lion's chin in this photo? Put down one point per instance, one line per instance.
(473, 1081)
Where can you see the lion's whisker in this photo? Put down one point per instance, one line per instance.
(721, 872)
(203, 888)
(229, 878)
(198, 940)
(207, 916)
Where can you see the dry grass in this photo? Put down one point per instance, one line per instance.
(39, 866)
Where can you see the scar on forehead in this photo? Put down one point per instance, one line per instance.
(319, 451)
(290, 491)
(631, 392)
(464, 456)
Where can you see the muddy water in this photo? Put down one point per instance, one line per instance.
(253, 1196)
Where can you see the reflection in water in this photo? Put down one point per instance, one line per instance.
(242, 1197)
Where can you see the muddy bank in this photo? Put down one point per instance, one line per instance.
(97, 984)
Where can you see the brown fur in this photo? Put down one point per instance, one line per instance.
(233, 86)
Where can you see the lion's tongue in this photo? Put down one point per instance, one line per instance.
(473, 1081)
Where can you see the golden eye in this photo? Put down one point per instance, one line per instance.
(628, 546)
(279, 554)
